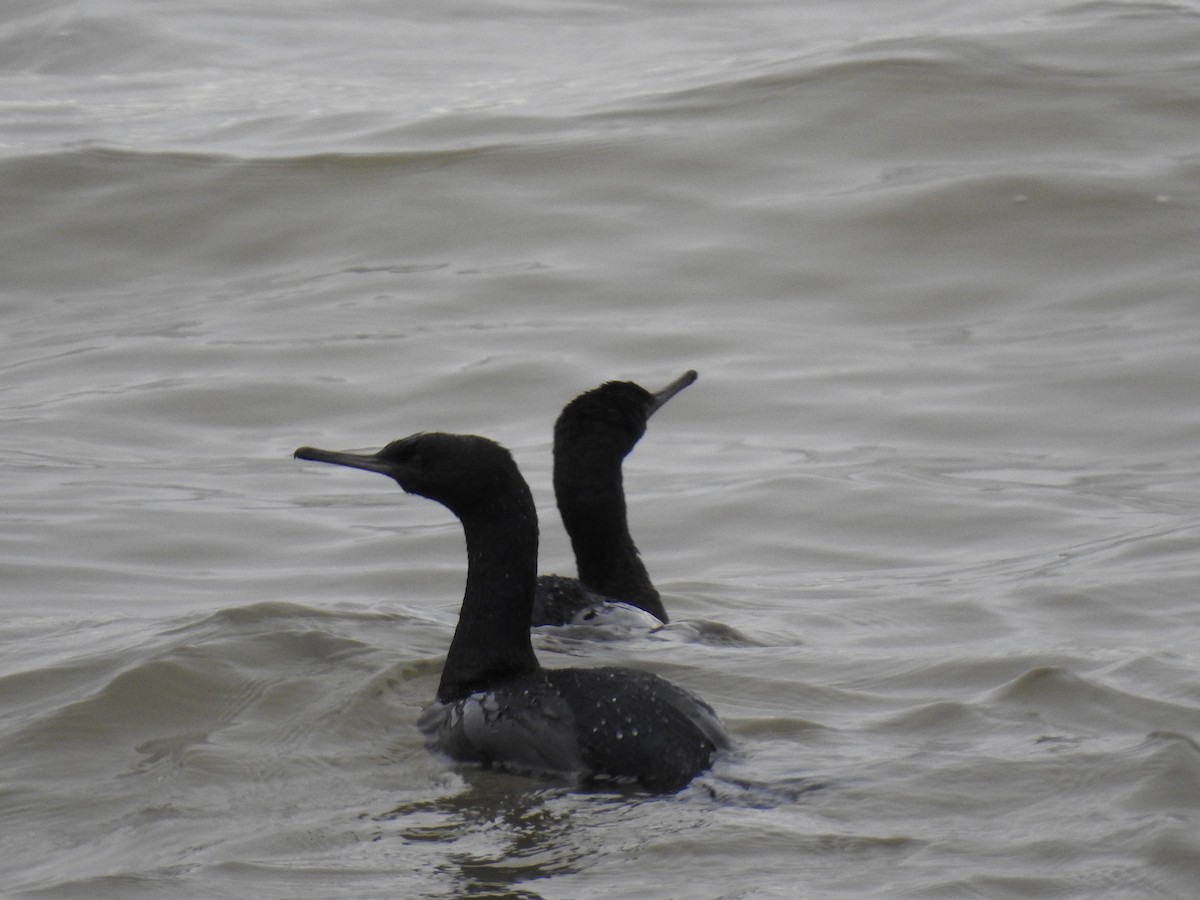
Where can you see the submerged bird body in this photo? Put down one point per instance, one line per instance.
(593, 435)
(604, 724)
(495, 705)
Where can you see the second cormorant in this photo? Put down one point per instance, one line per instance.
(593, 435)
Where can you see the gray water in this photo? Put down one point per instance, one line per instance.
(927, 525)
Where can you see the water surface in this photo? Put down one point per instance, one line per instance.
(926, 525)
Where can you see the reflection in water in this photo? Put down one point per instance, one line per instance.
(504, 831)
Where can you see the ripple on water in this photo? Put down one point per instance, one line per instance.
(1060, 698)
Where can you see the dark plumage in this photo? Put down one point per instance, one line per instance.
(593, 435)
(496, 706)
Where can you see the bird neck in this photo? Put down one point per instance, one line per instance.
(491, 642)
(591, 500)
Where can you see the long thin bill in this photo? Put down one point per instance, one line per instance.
(369, 462)
(661, 397)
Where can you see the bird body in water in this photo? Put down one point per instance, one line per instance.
(496, 705)
(593, 435)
